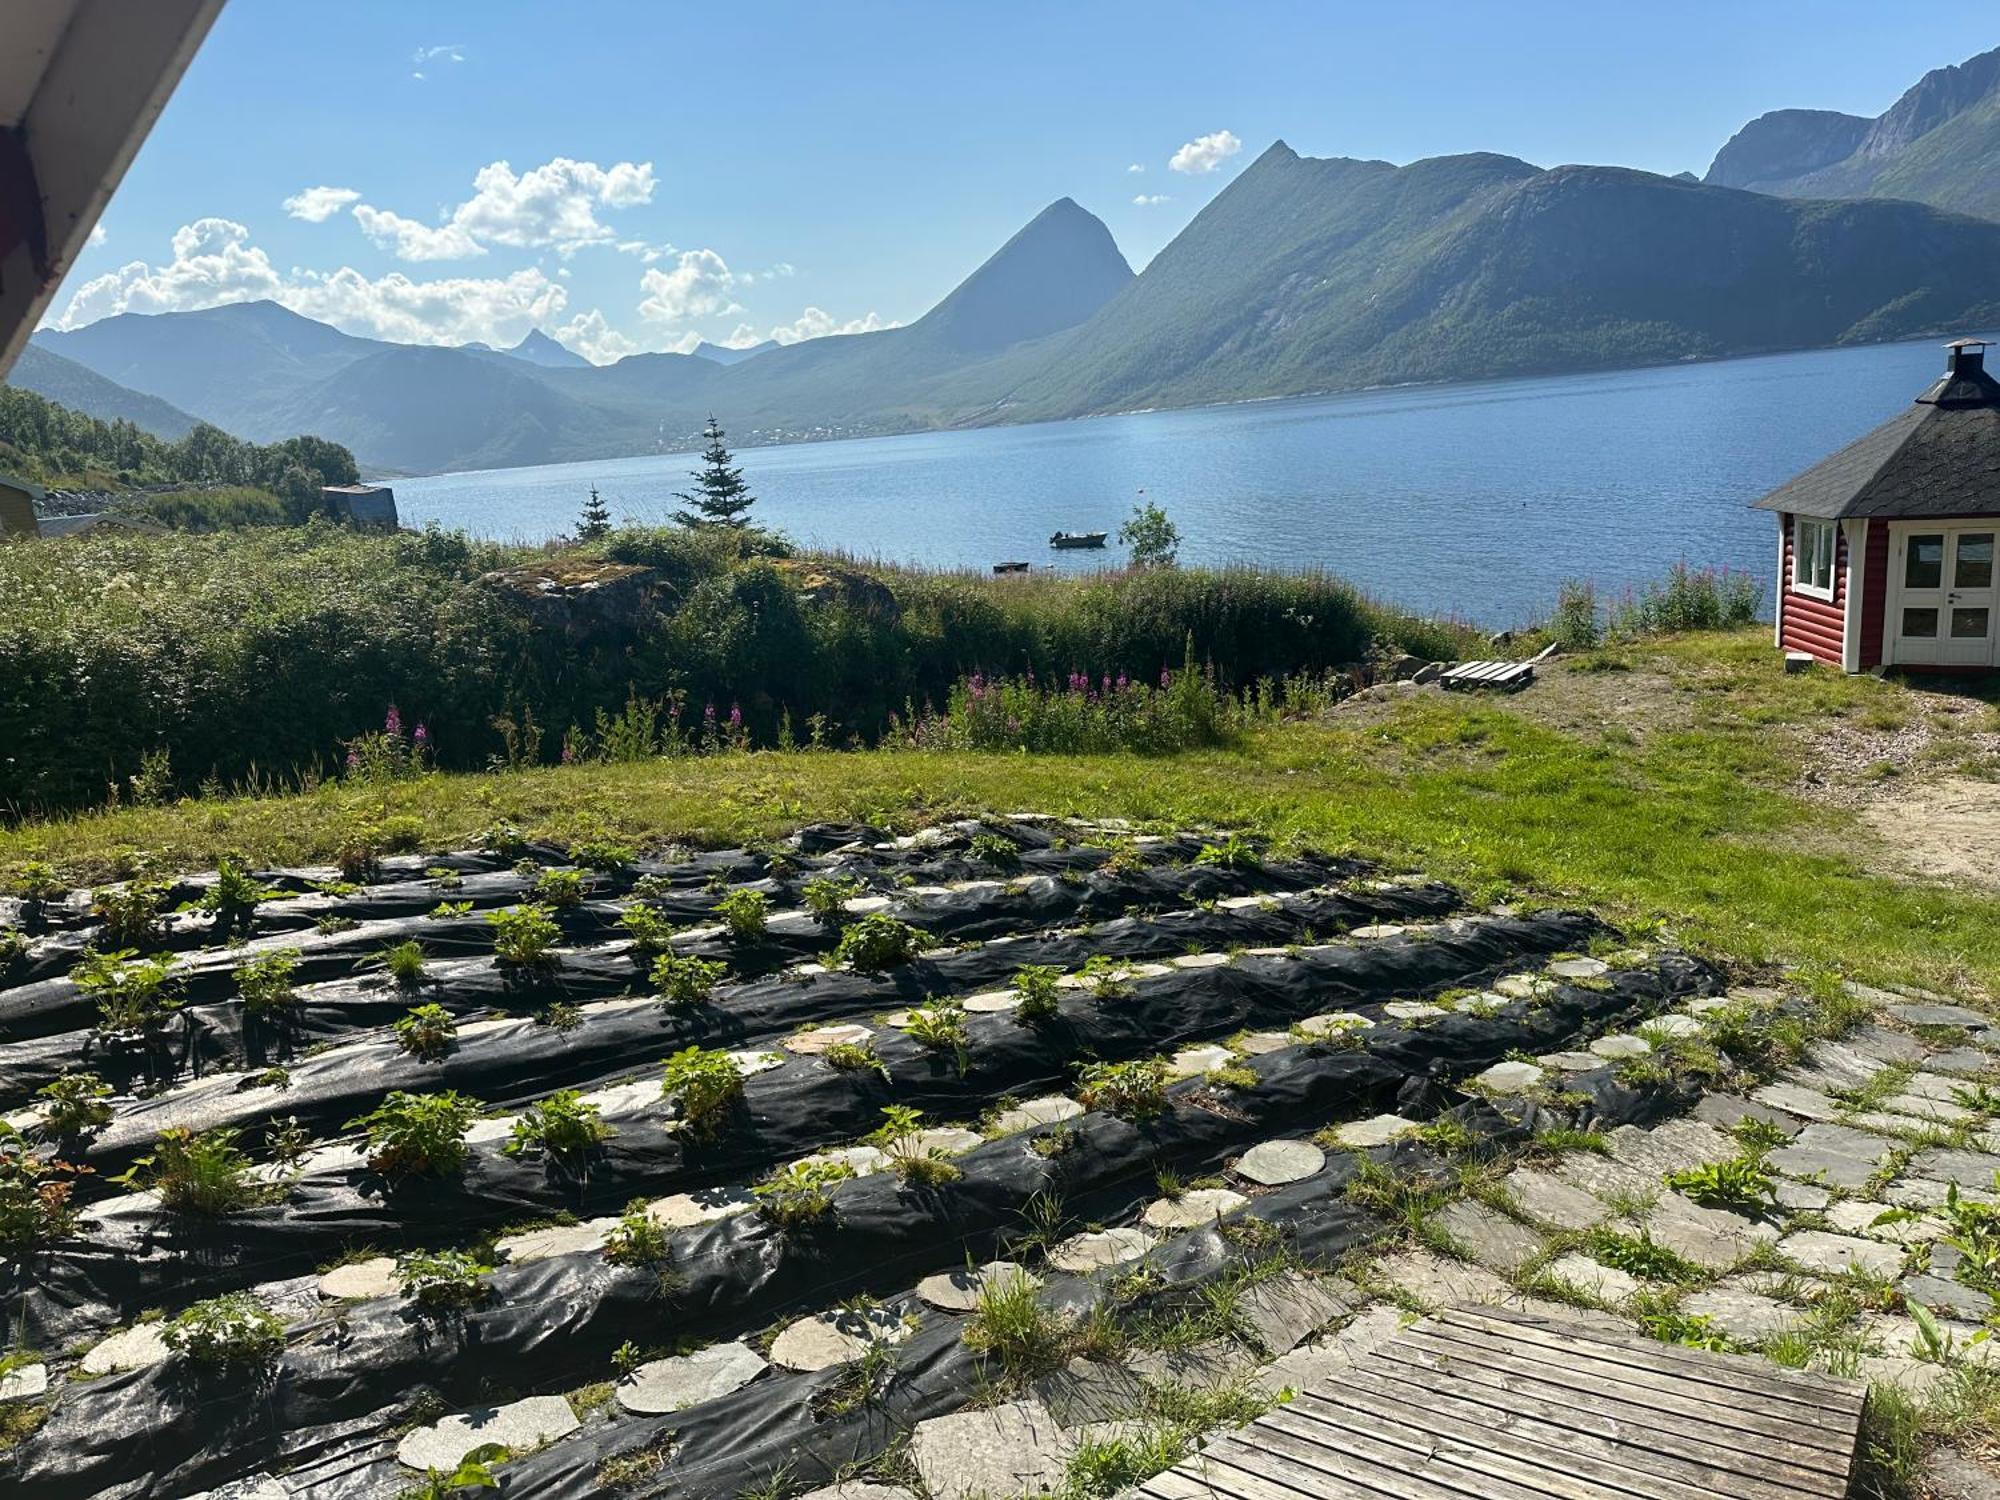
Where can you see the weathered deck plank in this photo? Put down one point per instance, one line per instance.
(1487, 1404)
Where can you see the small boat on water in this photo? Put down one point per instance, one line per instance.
(1010, 567)
(1068, 539)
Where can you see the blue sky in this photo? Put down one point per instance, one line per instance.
(636, 176)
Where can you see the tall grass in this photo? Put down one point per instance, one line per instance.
(1686, 599)
(265, 652)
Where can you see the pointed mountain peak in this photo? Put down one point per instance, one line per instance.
(1275, 154)
(539, 349)
(1056, 271)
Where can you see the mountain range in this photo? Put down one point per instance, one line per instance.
(1303, 275)
(1938, 144)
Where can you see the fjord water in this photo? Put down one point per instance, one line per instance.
(1473, 499)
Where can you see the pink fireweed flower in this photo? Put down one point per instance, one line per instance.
(392, 723)
(568, 753)
(422, 736)
(735, 716)
(354, 760)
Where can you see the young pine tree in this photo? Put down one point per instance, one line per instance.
(595, 520)
(720, 496)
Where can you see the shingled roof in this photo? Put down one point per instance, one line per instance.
(1939, 458)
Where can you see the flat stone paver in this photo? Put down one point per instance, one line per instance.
(1859, 1216)
(1726, 1111)
(992, 1003)
(1523, 986)
(1275, 1163)
(1323, 1358)
(1951, 1299)
(1834, 1254)
(1549, 1200)
(1289, 1307)
(1192, 1210)
(1049, 1109)
(1002, 1450)
(1671, 1147)
(1589, 1278)
(1258, 1043)
(133, 1349)
(1191, 1061)
(1381, 1130)
(1745, 1316)
(1602, 1177)
(1713, 1238)
(859, 1490)
(24, 1382)
(1797, 1099)
(702, 1206)
(1377, 930)
(1487, 1237)
(686, 1380)
(1436, 1282)
(1834, 1154)
(827, 1339)
(361, 1279)
(560, 1239)
(1331, 1025)
(1508, 1078)
(1413, 1010)
(959, 1291)
(1092, 1252)
(821, 1039)
(1621, 1045)
(518, 1425)
(1969, 1169)
(1570, 1062)
(1579, 968)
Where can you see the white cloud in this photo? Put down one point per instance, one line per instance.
(1205, 153)
(1151, 200)
(451, 52)
(318, 204)
(214, 262)
(97, 236)
(1137, 166)
(816, 324)
(590, 335)
(411, 239)
(699, 286)
(553, 206)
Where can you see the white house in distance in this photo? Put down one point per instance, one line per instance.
(1886, 549)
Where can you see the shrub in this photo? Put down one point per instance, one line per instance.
(744, 913)
(235, 1329)
(359, 855)
(995, 849)
(75, 1105)
(1574, 625)
(562, 1126)
(442, 1278)
(1036, 985)
(638, 1239)
(37, 883)
(800, 1194)
(417, 1134)
(523, 935)
(826, 898)
(559, 888)
(1235, 852)
(646, 930)
(265, 984)
(702, 1084)
(403, 962)
(685, 981)
(205, 1173)
(130, 913)
(877, 942)
(426, 1032)
(34, 1195)
(602, 854)
(135, 996)
(1133, 1090)
(1689, 599)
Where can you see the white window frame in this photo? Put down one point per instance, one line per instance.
(1827, 534)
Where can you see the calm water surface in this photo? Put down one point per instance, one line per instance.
(1474, 499)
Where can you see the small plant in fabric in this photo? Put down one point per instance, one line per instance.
(504, 839)
(265, 983)
(1742, 1183)
(637, 1239)
(827, 896)
(34, 1195)
(744, 913)
(684, 982)
(426, 1032)
(855, 1057)
(233, 1330)
(131, 912)
(995, 849)
(1134, 1090)
(523, 935)
(647, 931)
(800, 1194)
(236, 893)
(417, 1134)
(1036, 985)
(876, 942)
(359, 856)
(563, 1125)
(73, 1105)
(37, 883)
(702, 1084)
(13, 947)
(197, 1172)
(939, 1026)
(560, 889)
(443, 1278)
(135, 996)
(602, 854)
(1235, 852)
(474, 1472)
(403, 962)
(897, 1138)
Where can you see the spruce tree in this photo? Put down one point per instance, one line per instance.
(595, 520)
(720, 496)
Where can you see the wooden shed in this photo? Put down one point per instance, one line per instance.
(17, 506)
(1886, 549)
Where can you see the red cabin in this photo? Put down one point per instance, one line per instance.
(1886, 549)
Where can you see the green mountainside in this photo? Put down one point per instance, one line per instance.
(81, 389)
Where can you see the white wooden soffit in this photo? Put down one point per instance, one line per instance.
(84, 80)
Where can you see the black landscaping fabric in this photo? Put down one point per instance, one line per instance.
(325, 1412)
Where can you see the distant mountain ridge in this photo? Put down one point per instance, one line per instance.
(1301, 276)
(82, 389)
(1938, 144)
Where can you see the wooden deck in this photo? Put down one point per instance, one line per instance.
(1510, 676)
(1482, 1404)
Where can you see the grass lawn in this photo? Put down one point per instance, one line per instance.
(1658, 783)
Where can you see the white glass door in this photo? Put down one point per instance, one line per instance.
(1947, 607)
